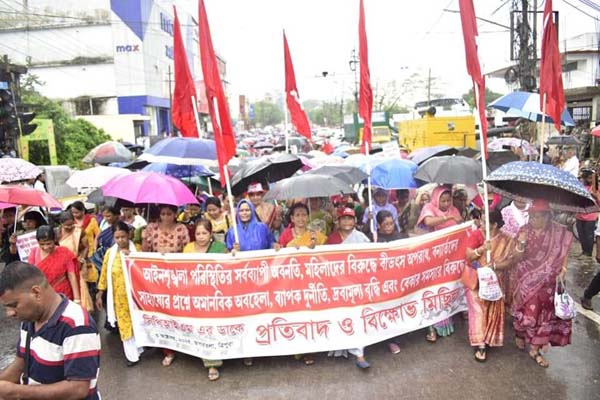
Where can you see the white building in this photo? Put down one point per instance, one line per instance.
(581, 77)
(108, 61)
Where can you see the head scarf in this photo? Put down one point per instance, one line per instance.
(253, 235)
(432, 209)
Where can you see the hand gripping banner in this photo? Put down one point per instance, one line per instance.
(267, 303)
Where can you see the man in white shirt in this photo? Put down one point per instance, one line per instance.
(571, 164)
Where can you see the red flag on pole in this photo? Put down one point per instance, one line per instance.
(551, 83)
(469, 27)
(215, 95)
(299, 119)
(183, 111)
(365, 101)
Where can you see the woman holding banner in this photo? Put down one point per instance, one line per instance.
(204, 242)
(542, 249)
(253, 235)
(438, 214)
(112, 281)
(486, 318)
(165, 236)
(297, 233)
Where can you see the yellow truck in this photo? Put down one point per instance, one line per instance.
(455, 131)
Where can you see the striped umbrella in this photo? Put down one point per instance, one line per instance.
(527, 105)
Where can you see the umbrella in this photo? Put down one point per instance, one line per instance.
(98, 197)
(4, 206)
(527, 105)
(265, 169)
(149, 187)
(421, 155)
(596, 131)
(263, 145)
(307, 186)
(467, 152)
(394, 173)
(182, 151)
(178, 171)
(107, 153)
(95, 177)
(502, 143)
(17, 169)
(536, 180)
(346, 173)
(563, 140)
(25, 196)
(496, 159)
(450, 170)
(327, 160)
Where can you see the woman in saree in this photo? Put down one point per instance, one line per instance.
(438, 214)
(486, 318)
(219, 220)
(204, 242)
(165, 236)
(297, 233)
(542, 250)
(89, 227)
(58, 263)
(112, 282)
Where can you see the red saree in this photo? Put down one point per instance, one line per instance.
(533, 282)
(56, 266)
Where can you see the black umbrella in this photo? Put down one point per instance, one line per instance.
(563, 140)
(450, 170)
(347, 173)
(467, 152)
(496, 159)
(265, 170)
(419, 156)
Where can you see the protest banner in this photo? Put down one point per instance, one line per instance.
(25, 243)
(264, 303)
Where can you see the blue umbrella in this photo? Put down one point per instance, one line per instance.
(178, 171)
(527, 105)
(182, 151)
(535, 180)
(394, 173)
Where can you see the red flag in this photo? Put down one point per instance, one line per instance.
(469, 28)
(551, 83)
(183, 111)
(365, 101)
(297, 114)
(215, 95)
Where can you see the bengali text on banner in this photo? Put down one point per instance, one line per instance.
(264, 303)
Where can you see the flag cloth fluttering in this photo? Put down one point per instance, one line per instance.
(469, 28)
(219, 112)
(551, 83)
(183, 113)
(297, 114)
(365, 100)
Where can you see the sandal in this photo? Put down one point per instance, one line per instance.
(213, 374)
(308, 360)
(394, 348)
(168, 360)
(541, 361)
(431, 336)
(520, 343)
(248, 362)
(480, 355)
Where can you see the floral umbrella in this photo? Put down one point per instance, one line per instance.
(534, 180)
(17, 169)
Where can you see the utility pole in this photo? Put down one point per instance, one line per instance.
(171, 127)
(353, 62)
(429, 87)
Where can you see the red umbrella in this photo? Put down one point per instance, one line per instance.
(21, 195)
(596, 131)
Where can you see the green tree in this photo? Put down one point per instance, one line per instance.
(489, 97)
(267, 113)
(74, 137)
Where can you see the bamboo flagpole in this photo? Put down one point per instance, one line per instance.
(483, 151)
(195, 107)
(543, 129)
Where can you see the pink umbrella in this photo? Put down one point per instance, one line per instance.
(25, 196)
(4, 206)
(149, 187)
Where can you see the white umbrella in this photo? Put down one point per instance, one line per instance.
(95, 177)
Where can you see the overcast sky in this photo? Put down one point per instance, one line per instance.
(404, 37)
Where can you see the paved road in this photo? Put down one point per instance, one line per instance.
(445, 370)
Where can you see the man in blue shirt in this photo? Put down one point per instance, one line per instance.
(58, 354)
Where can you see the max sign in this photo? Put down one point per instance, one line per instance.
(128, 48)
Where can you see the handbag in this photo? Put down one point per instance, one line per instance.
(468, 277)
(564, 306)
(489, 288)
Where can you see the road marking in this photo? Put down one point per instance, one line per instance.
(589, 314)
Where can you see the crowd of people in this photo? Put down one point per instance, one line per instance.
(82, 257)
